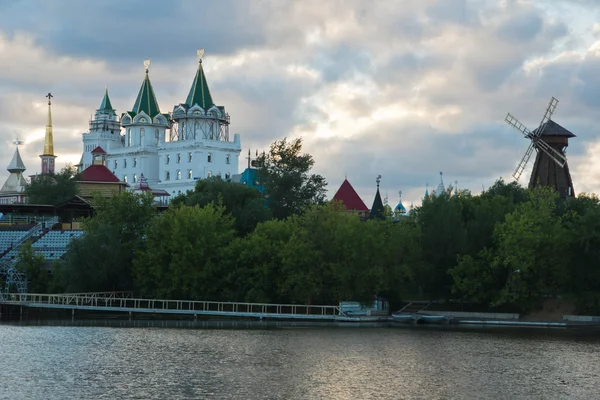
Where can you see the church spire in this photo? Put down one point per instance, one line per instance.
(48, 156)
(106, 106)
(199, 92)
(377, 210)
(146, 100)
(16, 164)
(48, 140)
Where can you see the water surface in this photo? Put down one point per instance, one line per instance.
(149, 360)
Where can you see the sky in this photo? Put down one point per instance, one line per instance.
(403, 89)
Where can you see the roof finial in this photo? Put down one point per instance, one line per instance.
(49, 96)
(400, 194)
(147, 64)
(200, 54)
(378, 179)
(18, 142)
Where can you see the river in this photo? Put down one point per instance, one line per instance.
(154, 360)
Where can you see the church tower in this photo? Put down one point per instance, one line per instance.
(48, 156)
(145, 129)
(104, 131)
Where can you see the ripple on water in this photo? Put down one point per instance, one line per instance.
(95, 362)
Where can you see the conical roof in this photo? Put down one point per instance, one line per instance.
(377, 211)
(106, 106)
(348, 196)
(146, 100)
(16, 164)
(554, 129)
(199, 92)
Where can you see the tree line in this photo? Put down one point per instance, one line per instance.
(506, 248)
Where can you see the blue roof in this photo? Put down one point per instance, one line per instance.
(400, 208)
(249, 177)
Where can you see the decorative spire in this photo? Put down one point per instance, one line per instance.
(440, 189)
(106, 106)
(16, 164)
(427, 189)
(377, 210)
(48, 140)
(146, 100)
(199, 92)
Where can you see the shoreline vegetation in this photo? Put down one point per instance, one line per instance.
(508, 249)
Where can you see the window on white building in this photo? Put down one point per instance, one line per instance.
(178, 174)
(134, 178)
(227, 175)
(228, 159)
(178, 158)
(190, 175)
(190, 156)
(116, 164)
(209, 157)
(156, 137)
(167, 176)
(129, 137)
(124, 163)
(219, 174)
(125, 178)
(142, 135)
(209, 174)
(168, 159)
(135, 162)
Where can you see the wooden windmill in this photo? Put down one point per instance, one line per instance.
(550, 141)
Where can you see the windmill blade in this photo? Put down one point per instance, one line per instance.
(523, 163)
(515, 123)
(547, 116)
(557, 156)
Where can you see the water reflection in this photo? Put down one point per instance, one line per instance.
(259, 360)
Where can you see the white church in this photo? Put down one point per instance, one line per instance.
(168, 151)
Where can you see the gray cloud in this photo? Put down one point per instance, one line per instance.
(374, 89)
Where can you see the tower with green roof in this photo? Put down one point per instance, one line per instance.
(105, 131)
(199, 119)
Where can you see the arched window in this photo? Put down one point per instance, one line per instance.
(209, 157)
(178, 174)
(178, 158)
(219, 174)
(156, 137)
(142, 134)
(190, 175)
(134, 178)
(125, 178)
(124, 163)
(134, 161)
(227, 175)
(209, 174)
(167, 176)
(228, 159)
(129, 137)
(168, 160)
(190, 156)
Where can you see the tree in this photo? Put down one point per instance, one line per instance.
(245, 204)
(34, 265)
(102, 259)
(285, 175)
(181, 257)
(53, 188)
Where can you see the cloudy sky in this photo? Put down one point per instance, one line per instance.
(403, 88)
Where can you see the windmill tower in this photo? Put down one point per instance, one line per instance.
(550, 141)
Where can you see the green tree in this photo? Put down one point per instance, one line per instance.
(253, 263)
(102, 259)
(53, 188)
(245, 204)
(532, 251)
(34, 265)
(181, 256)
(285, 175)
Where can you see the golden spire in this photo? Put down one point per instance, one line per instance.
(48, 141)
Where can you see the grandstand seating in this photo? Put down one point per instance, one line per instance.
(10, 238)
(53, 244)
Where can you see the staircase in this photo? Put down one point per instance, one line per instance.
(414, 307)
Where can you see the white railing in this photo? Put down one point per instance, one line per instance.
(111, 301)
